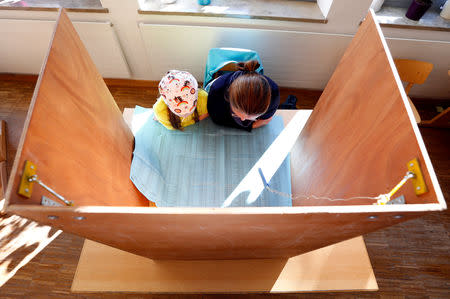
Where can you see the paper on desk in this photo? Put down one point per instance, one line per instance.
(201, 166)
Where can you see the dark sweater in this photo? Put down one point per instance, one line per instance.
(219, 108)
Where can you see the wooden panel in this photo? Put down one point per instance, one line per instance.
(234, 233)
(2, 140)
(342, 266)
(361, 133)
(307, 59)
(3, 183)
(418, 246)
(21, 241)
(25, 44)
(413, 71)
(74, 131)
(207, 233)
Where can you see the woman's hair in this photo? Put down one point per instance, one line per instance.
(175, 120)
(250, 92)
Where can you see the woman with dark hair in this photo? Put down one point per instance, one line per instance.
(243, 99)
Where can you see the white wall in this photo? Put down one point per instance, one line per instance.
(290, 58)
(294, 54)
(22, 50)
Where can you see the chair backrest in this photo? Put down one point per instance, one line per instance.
(413, 71)
(225, 59)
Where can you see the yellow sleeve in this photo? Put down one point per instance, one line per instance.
(202, 102)
(161, 114)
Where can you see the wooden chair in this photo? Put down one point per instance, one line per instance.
(3, 175)
(413, 72)
(442, 120)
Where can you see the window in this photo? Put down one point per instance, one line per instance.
(299, 10)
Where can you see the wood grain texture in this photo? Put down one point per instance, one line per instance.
(3, 175)
(201, 233)
(3, 183)
(415, 112)
(74, 132)
(361, 133)
(413, 71)
(344, 266)
(177, 233)
(20, 241)
(2, 140)
(410, 260)
(16, 92)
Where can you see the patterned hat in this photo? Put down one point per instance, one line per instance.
(179, 90)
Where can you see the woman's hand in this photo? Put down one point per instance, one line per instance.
(261, 122)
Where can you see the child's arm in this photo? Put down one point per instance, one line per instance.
(203, 116)
(202, 104)
(160, 114)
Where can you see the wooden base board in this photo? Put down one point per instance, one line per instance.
(3, 182)
(442, 120)
(20, 241)
(2, 140)
(343, 266)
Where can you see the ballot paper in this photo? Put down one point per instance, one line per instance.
(202, 165)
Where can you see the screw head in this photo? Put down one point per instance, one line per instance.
(27, 190)
(372, 217)
(418, 188)
(32, 167)
(79, 217)
(52, 217)
(411, 164)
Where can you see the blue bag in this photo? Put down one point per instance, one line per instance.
(219, 57)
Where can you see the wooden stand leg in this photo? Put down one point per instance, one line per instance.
(343, 266)
(3, 174)
(2, 140)
(442, 120)
(3, 182)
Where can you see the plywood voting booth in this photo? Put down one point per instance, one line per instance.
(355, 146)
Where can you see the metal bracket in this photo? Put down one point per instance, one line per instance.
(29, 177)
(397, 201)
(26, 187)
(418, 182)
(45, 201)
(414, 173)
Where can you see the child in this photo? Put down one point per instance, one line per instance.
(181, 103)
